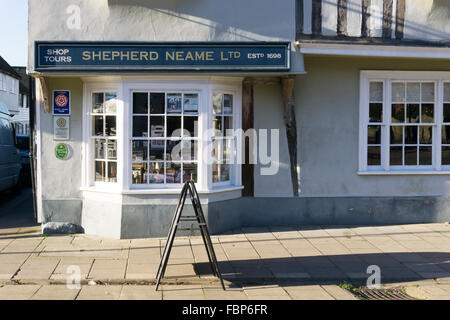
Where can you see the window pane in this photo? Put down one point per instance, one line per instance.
(398, 92)
(156, 173)
(174, 102)
(397, 134)
(412, 113)
(140, 150)
(217, 126)
(425, 156)
(228, 150)
(413, 92)
(217, 103)
(140, 103)
(139, 172)
(190, 104)
(428, 92)
(97, 103)
(157, 127)
(174, 127)
(112, 171)
(173, 151)
(100, 171)
(411, 134)
(228, 126)
(110, 126)
(445, 134)
(376, 112)
(173, 173)
(227, 104)
(100, 149)
(447, 92)
(425, 134)
(447, 112)
(157, 150)
(140, 126)
(396, 157)
(190, 172)
(111, 102)
(376, 91)
(190, 150)
(427, 113)
(112, 149)
(373, 156)
(97, 126)
(398, 113)
(374, 135)
(410, 156)
(191, 126)
(225, 172)
(157, 103)
(216, 173)
(446, 156)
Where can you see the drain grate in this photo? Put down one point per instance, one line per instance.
(384, 294)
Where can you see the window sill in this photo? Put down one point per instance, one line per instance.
(160, 191)
(402, 173)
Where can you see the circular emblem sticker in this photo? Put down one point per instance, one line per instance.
(62, 151)
(61, 122)
(61, 100)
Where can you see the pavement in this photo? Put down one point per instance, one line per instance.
(296, 262)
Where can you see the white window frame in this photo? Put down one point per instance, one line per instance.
(88, 163)
(124, 87)
(387, 77)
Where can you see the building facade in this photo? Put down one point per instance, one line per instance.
(22, 119)
(349, 99)
(9, 87)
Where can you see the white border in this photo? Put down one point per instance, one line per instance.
(439, 77)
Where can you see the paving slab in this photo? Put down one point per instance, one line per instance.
(18, 292)
(99, 293)
(59, 292)
(140, 293)
(307, 292)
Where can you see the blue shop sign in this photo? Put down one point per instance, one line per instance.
(61, 102)
(105, 56)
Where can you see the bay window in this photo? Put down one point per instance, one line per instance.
(151, 136)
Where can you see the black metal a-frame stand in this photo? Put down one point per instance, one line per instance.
(198, 218)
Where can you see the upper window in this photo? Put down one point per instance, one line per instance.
(104, 136)
(164, 137)
(405, 123)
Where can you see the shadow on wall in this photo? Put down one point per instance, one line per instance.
(220, 17)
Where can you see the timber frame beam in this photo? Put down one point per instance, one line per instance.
(290, 122)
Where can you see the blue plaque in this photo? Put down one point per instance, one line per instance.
(61, 102)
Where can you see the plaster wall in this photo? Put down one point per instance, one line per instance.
(327, 107)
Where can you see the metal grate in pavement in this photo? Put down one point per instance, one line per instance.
(384, 294)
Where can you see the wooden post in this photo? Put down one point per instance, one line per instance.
(247, 123)
(291, 128)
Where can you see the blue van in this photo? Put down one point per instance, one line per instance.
(9, 154)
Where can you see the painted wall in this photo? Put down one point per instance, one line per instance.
(268, 113)
(328, 126)
(160, 20)
(62, 178)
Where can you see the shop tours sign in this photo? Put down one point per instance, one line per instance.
(104, 56)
